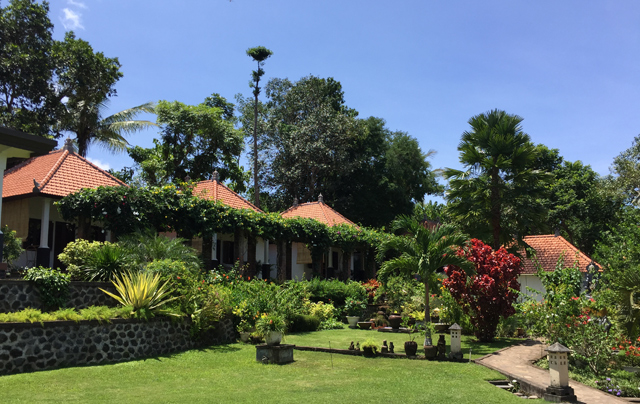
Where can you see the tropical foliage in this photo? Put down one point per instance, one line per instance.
(142, 291)
(498, 196)
(422, 251)
(488, 294)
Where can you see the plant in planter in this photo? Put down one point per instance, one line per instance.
(411, 346)
(370, 348)
(430, 351)
(353, 310)
(270, 327)
(244, 329)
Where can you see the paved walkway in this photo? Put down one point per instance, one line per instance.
(516, 362)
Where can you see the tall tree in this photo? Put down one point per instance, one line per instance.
(581, 205)
(390, 173)
(86, 80)
(310, 130)
(422, 251)
(26, 67)
(497, 198)
(626, 170)
(259, 54)
(195, 141)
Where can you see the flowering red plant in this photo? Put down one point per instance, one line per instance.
(488, 294)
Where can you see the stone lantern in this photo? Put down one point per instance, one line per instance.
(559, 390)
(456, 342)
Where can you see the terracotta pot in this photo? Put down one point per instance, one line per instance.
(410, 348)
(394, 321)
(430, 351)
(365, 325)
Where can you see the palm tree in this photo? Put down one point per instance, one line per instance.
(85, 120)
(423, 251)
(496, 197)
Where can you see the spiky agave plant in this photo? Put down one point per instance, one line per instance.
(141, 291)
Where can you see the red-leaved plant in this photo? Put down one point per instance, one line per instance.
(488, 294)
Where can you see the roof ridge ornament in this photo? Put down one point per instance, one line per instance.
(295, 202)
(215, 176)
(68, 145)
(320, 198)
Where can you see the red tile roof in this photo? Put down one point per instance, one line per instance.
(548, 249)
(215, 190)
(57, 174)
(319, 211)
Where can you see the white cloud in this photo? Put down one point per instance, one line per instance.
(78, 4)
(104, 166)
(71, 19)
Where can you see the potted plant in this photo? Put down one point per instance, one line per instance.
(430, 351)
(395, 320)
(270, 327)
(370, 348)
(353, 310)
(411, 346)
(244, 329)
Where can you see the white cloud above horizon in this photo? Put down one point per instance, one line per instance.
(99, 163)
(76, 3)
(71, 19)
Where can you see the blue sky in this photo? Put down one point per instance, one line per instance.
(570, 68)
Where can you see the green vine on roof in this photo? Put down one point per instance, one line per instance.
(125, 210)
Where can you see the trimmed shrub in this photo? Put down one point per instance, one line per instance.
(75, 256)
(303, 323)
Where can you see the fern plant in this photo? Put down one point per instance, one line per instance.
(141, 291)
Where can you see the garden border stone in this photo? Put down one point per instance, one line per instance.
(27, 347)
(18, 294)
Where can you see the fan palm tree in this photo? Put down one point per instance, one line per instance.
(86, 121)
(496, 196)
(423, 251)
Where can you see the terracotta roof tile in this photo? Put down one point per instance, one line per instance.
(215, 190)
(319, 211)
(58, 173)
(548, 249)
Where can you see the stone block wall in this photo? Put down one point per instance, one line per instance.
(26, 347)
(16, 295)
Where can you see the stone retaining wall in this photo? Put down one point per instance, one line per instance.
(16, 295)
(26, 347)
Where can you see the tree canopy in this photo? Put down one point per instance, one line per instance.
(497, 198)
(314, 143)
(27, 63)
(195, 140)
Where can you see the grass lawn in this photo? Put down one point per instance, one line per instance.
(230, 374)
(342, 338)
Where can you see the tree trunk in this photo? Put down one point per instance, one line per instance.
(427, 314)
(495, 208)
(256, 187)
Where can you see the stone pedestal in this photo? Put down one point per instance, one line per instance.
(560, 394)
(559, 390)
(456, 342)
(278, 354)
